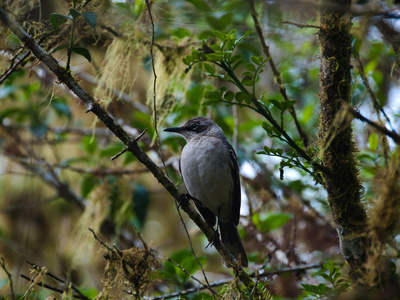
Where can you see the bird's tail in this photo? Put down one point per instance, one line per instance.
(231, 239)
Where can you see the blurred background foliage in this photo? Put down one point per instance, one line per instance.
(57, 179)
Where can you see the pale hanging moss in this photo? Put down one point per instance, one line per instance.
(116, 70)
(384, 221)
(95, 213)
(172, 82)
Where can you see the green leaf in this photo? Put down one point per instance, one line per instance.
(210, 102)
(215, 56)
(82, 51)
(90, 18)
(209, 68)
(250, 67)
(56, 20)
(58, 48)
(89, 144)
(181, 33)
(255, 60)
(373, 142)
(240, 97)
(229, 96)
(267, 127)
(249, 98)
(237, 64)
(247, 82)
(274, 221)
(88, 183)
(276, 103)
(287, 104)
(75, 13)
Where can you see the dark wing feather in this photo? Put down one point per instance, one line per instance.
(236, 185)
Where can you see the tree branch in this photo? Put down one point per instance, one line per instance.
(392, 134)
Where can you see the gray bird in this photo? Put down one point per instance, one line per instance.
(210, 172)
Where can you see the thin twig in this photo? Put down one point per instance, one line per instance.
(300, 25)
(393, 135)
(54, 289)
(371, 93)
(12, 69)
(155, 86)
(277, 74)
(100, 241)
(126, 148)
(58, 279)
(3, 266)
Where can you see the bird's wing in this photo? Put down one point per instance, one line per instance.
(236, 185)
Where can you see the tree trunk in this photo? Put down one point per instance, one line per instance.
(336, 135)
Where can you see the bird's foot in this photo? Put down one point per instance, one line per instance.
(185, 198)
(215, 237)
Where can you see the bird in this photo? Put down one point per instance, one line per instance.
(210, 173)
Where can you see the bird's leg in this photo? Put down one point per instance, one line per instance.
(185, 198)
(216, 233)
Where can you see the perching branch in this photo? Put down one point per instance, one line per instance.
(94, 107)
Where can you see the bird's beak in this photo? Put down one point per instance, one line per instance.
(174, 129)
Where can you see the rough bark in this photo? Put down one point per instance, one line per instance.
(336, 135)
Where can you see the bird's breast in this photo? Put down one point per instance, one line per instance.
(207, 173)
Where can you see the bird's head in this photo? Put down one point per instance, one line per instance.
(198, 126)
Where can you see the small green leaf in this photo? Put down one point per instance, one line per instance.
(255, 60)
(373, 142)
(75, 13)
(219, 35)
(274, 221)
(209, 68)
(56, 20)
(215, 47)
(250, 67)
(215, 56)
(267, 127)
(276, 103)
(279, 151)
(240, 97)
(89, 144)
(90, 18)
(247, 82)
(210, 102)
(181, 33)
(237, 64)
(186, 60)
(82, 51)
(249, 98)
(229, 96)
(58, 48)
(287, 104)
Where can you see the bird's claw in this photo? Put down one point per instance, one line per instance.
(184, 199)
(215, 237)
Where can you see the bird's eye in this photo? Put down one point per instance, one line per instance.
(194, 126)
